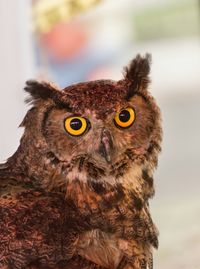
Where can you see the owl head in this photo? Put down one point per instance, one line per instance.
(93, 129)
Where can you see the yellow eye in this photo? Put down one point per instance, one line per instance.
(76, 126)
(125, 118)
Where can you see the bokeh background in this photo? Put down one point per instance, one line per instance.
(67, 41)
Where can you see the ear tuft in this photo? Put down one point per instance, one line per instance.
(138, 74)
(40, 90)
(45, 90)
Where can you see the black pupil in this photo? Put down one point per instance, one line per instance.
(76, 124)
(124, 116)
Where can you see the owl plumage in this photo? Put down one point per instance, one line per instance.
(75, 194)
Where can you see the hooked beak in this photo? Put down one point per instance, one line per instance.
(106, 145)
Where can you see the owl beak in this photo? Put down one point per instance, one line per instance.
(106, 145)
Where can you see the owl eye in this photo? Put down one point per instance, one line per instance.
(76, 126)
(125, 118)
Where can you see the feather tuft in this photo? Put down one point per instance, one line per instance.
(137, 73)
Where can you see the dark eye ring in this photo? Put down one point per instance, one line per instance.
(76, 125)
(125, 118)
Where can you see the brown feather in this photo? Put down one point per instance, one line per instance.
(63, 204)
(138, 74)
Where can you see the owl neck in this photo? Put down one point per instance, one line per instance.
(35, 164)
(24, 165)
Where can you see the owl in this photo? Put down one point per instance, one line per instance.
(75, 195)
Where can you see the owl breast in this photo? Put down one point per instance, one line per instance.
(101, 248)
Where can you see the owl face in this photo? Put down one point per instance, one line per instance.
(103, 123)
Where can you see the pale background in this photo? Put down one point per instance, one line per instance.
(119, 30)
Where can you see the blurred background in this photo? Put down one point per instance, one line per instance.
(67, 41)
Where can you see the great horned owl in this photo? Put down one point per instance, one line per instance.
(75, 194)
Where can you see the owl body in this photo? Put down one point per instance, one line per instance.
(75, 194)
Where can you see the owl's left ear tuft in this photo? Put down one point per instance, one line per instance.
(137, 73)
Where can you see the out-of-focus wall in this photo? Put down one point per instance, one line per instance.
(16, 65)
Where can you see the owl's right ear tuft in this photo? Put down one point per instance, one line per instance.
(40, 90)
(44, 91)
